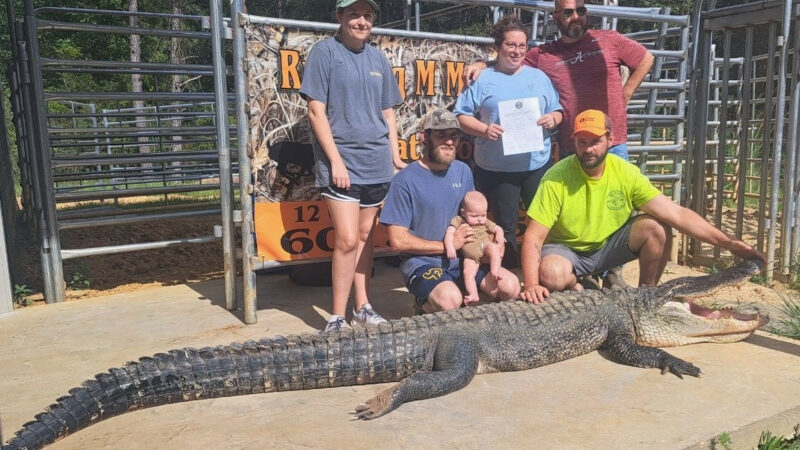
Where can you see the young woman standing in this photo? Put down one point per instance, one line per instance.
(351, 92)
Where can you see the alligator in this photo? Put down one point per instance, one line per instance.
(428, 355)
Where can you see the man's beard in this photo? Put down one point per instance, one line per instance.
(435, 156)
(574, 31)
(588, 166)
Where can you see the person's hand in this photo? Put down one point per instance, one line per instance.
(745, 251)
(471, 73)
(399, 164)
(451, 253)
(463, 235)
(499, 239)
(547, 121)
(339, 175)
(493, 132)
(534, 294)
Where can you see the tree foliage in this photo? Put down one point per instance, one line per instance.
(116, 47)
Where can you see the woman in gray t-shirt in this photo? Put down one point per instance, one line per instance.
(351, 92)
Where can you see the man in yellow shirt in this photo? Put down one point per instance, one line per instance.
(580, 219)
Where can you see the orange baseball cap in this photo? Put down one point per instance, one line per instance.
(591, 121)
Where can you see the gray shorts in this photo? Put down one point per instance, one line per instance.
(614, 254)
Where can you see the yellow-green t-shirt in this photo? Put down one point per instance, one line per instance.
(582, 212)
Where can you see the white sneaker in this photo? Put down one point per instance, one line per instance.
(336, 323)
(366, 316)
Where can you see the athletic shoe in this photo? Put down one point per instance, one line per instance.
(336, 323)
(367, 316)
(613, 279)
(416, 309)
(590, 281)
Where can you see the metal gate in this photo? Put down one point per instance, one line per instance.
(744, 143)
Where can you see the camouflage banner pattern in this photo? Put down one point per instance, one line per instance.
(428, 73)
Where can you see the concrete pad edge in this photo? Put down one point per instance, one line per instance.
(783, 424)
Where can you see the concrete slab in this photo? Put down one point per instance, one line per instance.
(586, 402)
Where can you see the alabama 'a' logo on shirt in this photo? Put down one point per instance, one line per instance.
(579, 57)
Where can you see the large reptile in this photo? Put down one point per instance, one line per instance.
(429, 355)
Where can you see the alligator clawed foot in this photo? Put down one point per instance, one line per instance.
(679, 367)
(376, 406)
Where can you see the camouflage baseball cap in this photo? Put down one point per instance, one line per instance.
(346, 3)
(440, 119)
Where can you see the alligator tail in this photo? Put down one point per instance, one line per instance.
(375, 355)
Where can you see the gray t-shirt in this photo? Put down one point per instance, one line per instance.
(355, 87)
(424, 202)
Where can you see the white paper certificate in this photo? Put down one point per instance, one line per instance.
(520, 132)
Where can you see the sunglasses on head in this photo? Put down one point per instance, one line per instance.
(567, 13)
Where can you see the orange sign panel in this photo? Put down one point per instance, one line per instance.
(289, 231)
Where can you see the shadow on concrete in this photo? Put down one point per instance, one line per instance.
(212, 290)
(312, 304)
(790, 348)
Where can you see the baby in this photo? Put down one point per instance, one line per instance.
(487, 247)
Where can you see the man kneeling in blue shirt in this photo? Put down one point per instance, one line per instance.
(422, 199)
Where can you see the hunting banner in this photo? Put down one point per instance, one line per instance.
(291, 221)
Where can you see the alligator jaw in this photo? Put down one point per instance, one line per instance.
(684, 322)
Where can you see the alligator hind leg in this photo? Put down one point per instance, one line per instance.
(455, 362)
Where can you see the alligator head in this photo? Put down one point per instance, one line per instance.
(669, 317)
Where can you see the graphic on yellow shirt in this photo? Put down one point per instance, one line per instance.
(582, 212)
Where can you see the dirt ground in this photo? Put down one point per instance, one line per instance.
(125, 272)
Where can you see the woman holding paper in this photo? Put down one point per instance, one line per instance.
(511, 110)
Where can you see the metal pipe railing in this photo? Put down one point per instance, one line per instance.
(49, 239)
(793, 145)
(223, 147)
(135, 159)
(51, 25)
(137, 192)
(247, 224)
(68, 224)
(113, 12)
(114, 249)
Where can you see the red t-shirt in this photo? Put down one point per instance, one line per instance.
(586, 75)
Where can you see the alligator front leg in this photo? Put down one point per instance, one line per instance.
(623, 349)
(455, 362)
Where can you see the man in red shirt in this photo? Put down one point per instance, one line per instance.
(579, 63)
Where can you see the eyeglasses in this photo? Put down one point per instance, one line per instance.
(511, 46)
(567, 13)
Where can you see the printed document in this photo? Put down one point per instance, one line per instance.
(520, 132)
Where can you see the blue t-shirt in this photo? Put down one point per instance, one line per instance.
(424, 202)
(355, 87)
(480, 100)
